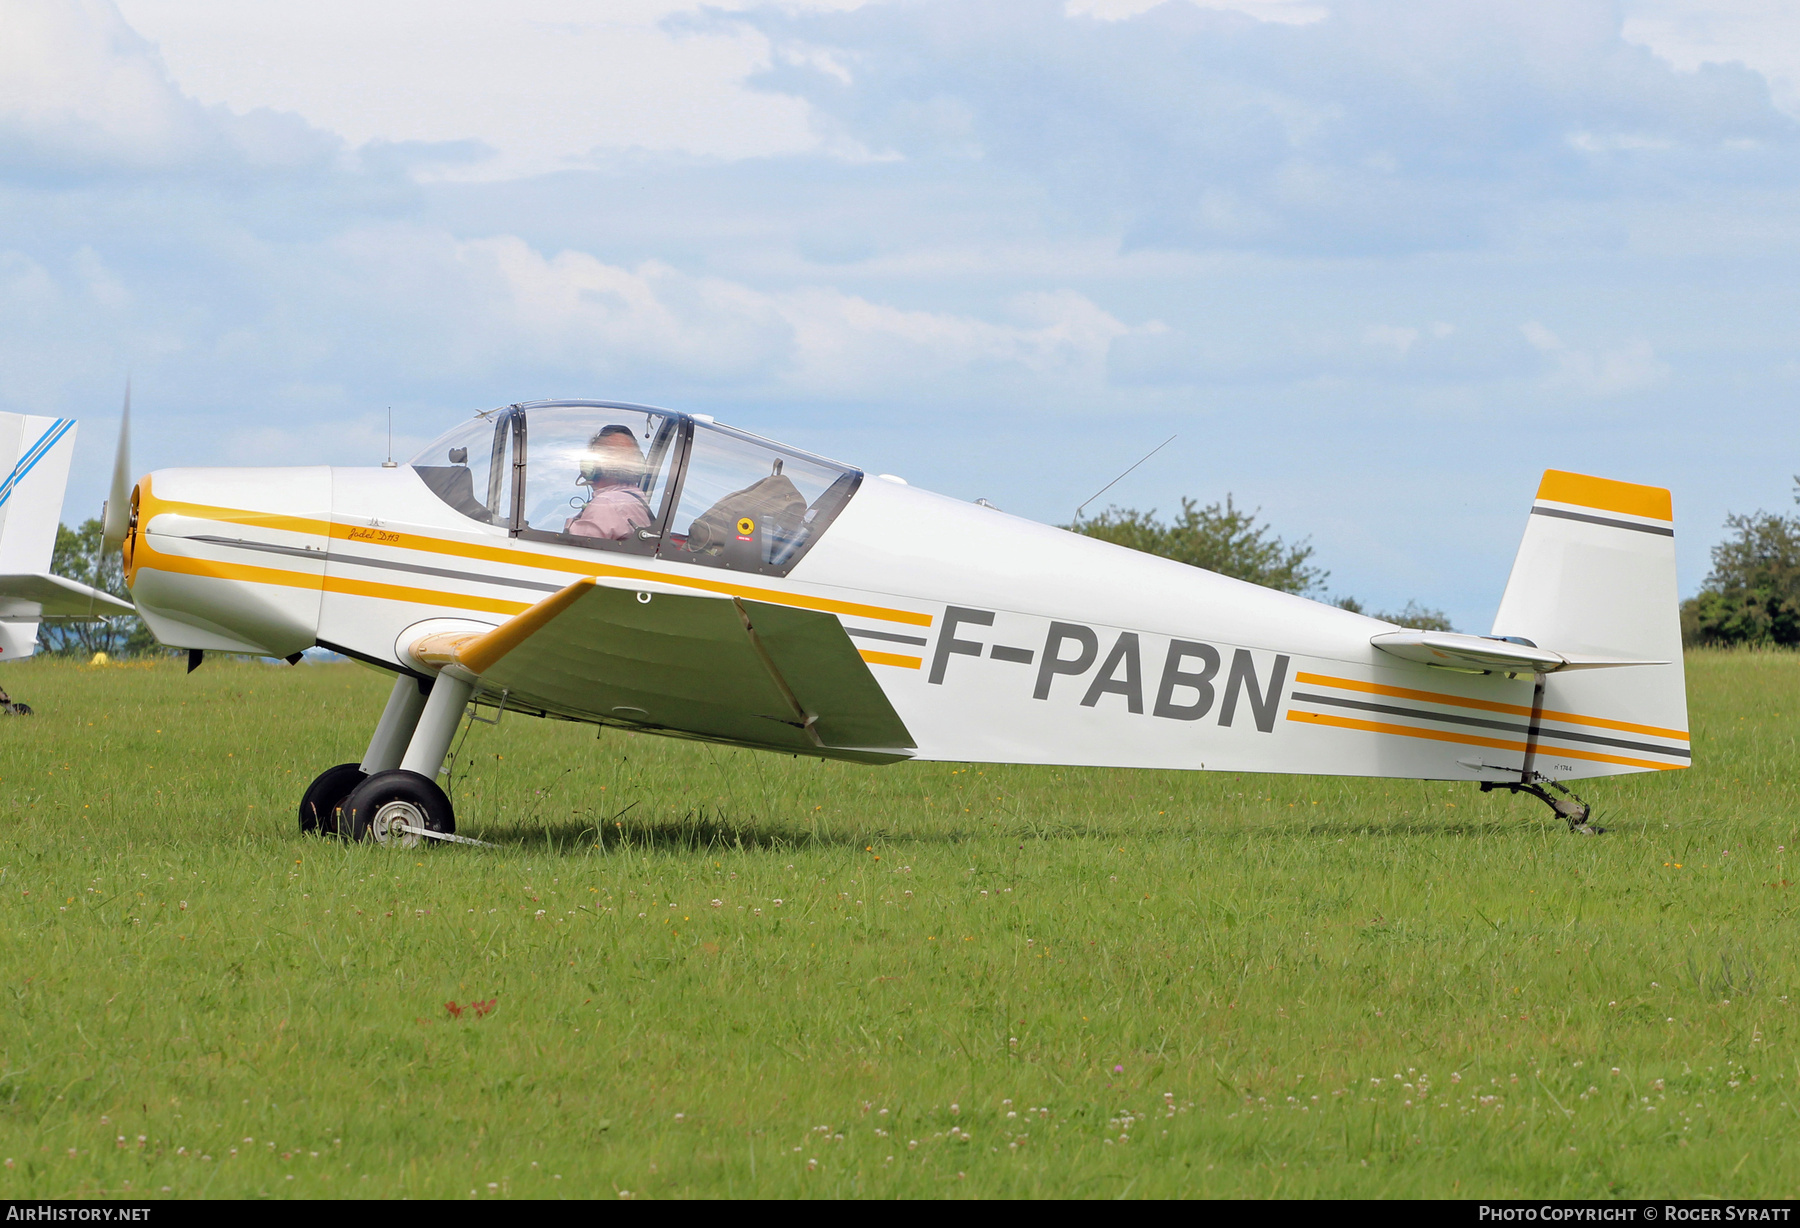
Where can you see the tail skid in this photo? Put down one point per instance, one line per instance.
(1569, 807)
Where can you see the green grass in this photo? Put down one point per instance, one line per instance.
(1182, 984)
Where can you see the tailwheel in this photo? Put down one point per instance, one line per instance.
(319, 804)
(1569, 808)
(383, 808)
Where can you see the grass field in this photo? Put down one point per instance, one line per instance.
(785, 978)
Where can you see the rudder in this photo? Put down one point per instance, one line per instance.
(34, 460)
(1595, 574)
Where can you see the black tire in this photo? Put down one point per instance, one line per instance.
(319, 804)
(396, 796)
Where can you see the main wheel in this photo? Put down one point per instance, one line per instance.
(386, 801)
(319, 804)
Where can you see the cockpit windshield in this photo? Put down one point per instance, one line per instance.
(596, 473)
(752, 505)
(468, 468)
(600, 475)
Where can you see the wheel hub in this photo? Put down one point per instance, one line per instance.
(384, 828)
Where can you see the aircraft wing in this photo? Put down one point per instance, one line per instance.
(1477, 652)
(41, 597)
(720, 668)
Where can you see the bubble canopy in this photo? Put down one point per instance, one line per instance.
(634, 479)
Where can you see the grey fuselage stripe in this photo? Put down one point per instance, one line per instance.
(468, 577)
(1608, 521)
(892, 638)
(1560, 735)
(416, 569)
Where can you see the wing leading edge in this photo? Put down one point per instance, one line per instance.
(718, 668)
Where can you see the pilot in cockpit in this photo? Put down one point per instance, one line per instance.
(613, 472)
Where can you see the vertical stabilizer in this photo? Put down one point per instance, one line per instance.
(1596, 575)
(34, 469)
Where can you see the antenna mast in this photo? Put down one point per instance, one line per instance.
(1152, 452)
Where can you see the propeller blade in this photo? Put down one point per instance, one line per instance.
(118, 502)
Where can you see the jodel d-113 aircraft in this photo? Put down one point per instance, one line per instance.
(658, 571)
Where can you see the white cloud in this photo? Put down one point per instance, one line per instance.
(1616, 142)
(1382, 129)
(1632, 367)
(102, 284)
(75, 78)
(26, 283)
(1389, 336)
(582, 313)
(545, 84)
(846, 343)
(1288, 12)
(1763, 35)
(80, 91)
(404, 305)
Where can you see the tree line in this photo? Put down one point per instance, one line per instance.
(1752, 595)
(1224, 538)
(1750, 598)
(80, 556)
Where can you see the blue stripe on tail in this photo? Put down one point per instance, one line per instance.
(35, 453)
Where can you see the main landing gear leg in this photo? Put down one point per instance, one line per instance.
(395, 729)
(1570, 808)
(323, 799)
(393, 799)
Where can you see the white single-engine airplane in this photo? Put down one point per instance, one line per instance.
(629, 566)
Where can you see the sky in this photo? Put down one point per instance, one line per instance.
(1374, 265)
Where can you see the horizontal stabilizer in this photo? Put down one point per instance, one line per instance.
(1476, 652)
(39, 596)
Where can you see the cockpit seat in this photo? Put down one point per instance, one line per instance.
(455, 485)
(773, 507)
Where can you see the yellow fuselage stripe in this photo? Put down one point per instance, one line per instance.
(1465, 739)
(517, 556)
(1485, 705)
(148, 558)
(890, 658)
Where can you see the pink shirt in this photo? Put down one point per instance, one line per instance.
(612, 514)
